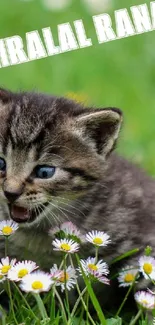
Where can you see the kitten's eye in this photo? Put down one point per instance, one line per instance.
(2, 165)
(44, 171)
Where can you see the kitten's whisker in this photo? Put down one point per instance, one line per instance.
(69, 200)
(51, 213)
(71, 206)
(59, 209)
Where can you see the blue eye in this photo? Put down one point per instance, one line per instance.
(44, 172)
(2, 165)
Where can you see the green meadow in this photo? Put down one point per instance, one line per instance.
(120, 73)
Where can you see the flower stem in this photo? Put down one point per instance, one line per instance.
(41, 306)
(25, 301)
(80, 294)
(11, 303)
(66, 293)
(96, 254)
(61, 304)
(124, 300)
(6, 246)
(133, 322)
(84, 305)
(76, 305)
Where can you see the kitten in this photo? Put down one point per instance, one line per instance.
(57, 164)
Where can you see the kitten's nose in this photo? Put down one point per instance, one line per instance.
(12, 196)
(12, 189)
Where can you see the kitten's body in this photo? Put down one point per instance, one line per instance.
(92, 187)
(121, 204)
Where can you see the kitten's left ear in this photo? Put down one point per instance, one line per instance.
(100, 128)
(5, 96)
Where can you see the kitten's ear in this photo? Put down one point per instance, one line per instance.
(100, 128)
(5, 96)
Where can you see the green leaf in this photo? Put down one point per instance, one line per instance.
(121, 257)
(114, 321)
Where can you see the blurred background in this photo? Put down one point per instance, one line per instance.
(119, 73)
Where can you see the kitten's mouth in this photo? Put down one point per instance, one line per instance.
(20, 214)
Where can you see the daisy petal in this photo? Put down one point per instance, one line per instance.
(65, 245)
(98, 238)
(21, 269)
(37, 282)
(8, 227)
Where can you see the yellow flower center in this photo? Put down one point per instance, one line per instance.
(97, 241)
(145, 302)
(7, 230)
(37, 285)
(147, 267)
(129, 277)
(93, 267)
(64, 277)
(22, 273)
(65, 247)
(5, 269)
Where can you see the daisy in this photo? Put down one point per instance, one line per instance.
(55, 273)
(65, 245)
(21, 269)
(103, 279)
(6, 264)
(127, 276)
(145, 299)
(70, 229)
(67, 230)
(147, 267)
(89, 266)
(98, 238)
(95, 271)
(56, 4)
(97, 6)
(8, 227)
(36, 282)
(63, 278)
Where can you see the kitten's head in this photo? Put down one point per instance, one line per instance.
(51, 149)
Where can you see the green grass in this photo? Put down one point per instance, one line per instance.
(55, 308)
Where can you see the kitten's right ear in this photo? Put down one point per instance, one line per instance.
(5, 96)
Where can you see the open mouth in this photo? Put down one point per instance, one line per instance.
(20, 214)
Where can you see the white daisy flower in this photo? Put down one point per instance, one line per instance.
(55, 273)
(89, 266)
(21, 269)
(37, 282)
(98, 238)
(8, 227)
(54, 231)
(69, 230)
(56, 5)
(103, 279)
(65, 245)
(145, 299)
(126, 276)
(147, 267)
(97, 6)
(63, 278)
(6, 264)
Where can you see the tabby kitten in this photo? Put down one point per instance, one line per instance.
(57, 164)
